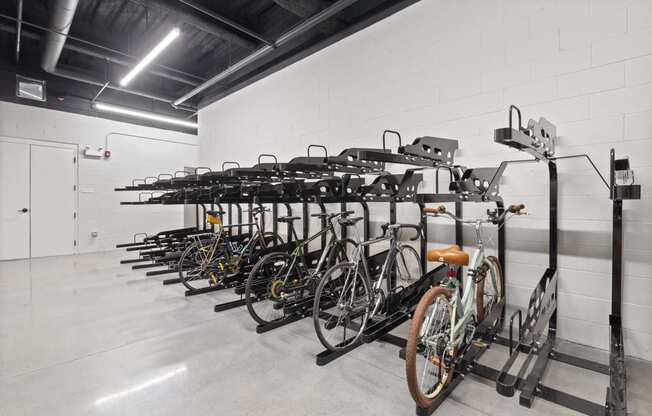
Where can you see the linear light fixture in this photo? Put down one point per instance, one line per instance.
(141, 114)
(167, 40)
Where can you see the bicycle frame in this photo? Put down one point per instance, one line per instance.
(299, 252)
(218, 240)
(464, 307)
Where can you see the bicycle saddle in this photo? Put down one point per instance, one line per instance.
(288, 219)
(449, 255)
(349, 221)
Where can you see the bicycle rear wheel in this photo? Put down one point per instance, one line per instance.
(429, 362)
(341, 306)
(340, 252)
(265, 287)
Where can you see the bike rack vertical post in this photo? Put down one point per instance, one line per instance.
(459, 236)
(275, 219)
(306, 219)
(250, 219)
(365, 226)
(501, 253)
(554, 227)
(288, 210)
(239, 209)
(423, 249)
(203, 207)
(322, 208)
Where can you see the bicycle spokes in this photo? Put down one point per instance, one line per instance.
(342, 300)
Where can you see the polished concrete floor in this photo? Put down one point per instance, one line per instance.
(84, 335)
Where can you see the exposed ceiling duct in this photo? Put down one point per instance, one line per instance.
(63, 13)
(192, 81)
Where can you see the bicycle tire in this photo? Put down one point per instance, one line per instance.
(189, 276)
(257, 284)
(407, 264)
(481, 308)
(326, 296)
(411, 349)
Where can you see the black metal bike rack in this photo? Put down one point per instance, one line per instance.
(538, 140)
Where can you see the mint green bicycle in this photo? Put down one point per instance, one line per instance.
(445, 319)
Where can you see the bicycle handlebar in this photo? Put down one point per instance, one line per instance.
(441, 210)
(415, 227)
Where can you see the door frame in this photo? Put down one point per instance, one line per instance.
(61, 145)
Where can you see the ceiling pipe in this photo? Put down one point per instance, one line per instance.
(235, 25)
(63, 12)
(85, 51)
(291, 34)
(76, 76)
(91, 44)
(82, 49)
(60, 22)
(19, 28)
(174, 10)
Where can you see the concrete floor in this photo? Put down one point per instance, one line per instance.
(84, 335)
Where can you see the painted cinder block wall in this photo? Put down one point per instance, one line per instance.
(137, 152)
(451, 69)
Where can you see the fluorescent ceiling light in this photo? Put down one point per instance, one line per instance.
(150, 56)
(141, 114)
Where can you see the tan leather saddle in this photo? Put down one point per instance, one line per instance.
(449, 255)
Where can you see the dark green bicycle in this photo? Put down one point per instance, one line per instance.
(278, 280)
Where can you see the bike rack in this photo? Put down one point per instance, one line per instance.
(538, 140)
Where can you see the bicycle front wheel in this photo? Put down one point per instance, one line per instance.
(489, 288)
(196, 269)
(341, 306)
(429, 360)
(407, 264)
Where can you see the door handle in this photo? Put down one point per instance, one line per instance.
(24, 210)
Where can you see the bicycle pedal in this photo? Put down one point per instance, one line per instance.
(479, 343)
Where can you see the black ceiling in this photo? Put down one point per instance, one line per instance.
(108, 36)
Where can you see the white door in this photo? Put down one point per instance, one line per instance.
(53, 201)
(14, 200)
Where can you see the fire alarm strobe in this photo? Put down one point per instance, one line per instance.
(107, 153)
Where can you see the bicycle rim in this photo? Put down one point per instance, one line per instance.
(266, 289)
(429, 361)
(341, 307)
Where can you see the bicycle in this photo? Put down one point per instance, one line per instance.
(212, 257)
(278, 279)
(346, 299)
(446, 317)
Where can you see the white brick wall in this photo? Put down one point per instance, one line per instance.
(134, 155)
(451, 68)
